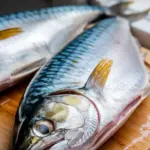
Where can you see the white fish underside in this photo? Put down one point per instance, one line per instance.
(127, 78)
(127, 81)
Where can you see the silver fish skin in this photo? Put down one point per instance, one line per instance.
(141, 31)
(137, 10)
(85, 93)
(139, 16)
(38, 36)
(111, 3)
(138, 6)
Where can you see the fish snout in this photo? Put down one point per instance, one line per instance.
(63, 121)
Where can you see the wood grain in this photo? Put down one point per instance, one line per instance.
(9, 101)
(146, 54)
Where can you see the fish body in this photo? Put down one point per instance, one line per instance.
(138, 15)
(138, 6)
(140, 29)
(136, 10)
(85, 93)
(28, 39)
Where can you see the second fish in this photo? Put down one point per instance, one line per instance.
(29, 39)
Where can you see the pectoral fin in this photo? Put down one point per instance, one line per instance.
(7, 33)
(100, 74)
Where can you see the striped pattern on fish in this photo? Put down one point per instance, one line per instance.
(21, 18)
(84, 93)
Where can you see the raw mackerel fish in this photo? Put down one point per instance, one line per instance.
(141, 30)
(28, 39)
(138, 15)
(85, 93)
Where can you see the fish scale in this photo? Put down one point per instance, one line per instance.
(104, 67)
(90, 36)
(18, 19)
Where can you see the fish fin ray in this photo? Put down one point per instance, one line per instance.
(7, 33)
(99, 76)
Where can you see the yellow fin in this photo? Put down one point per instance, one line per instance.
(6, 33)
(100, 74)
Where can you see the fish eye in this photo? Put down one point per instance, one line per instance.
(43, 128)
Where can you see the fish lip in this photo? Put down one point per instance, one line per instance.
(48, 146)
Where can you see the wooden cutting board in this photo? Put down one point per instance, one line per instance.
(134, 135)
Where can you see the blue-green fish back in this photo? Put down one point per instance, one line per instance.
(20, 18)
(71, 68)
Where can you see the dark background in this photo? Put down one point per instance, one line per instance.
(10, 6)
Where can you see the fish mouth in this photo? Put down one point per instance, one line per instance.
(69, 136)
(46, 145)
(49, 146)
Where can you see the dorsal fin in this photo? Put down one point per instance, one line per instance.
(6, 33)
(100, 75)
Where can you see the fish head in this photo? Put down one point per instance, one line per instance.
(64, 121)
